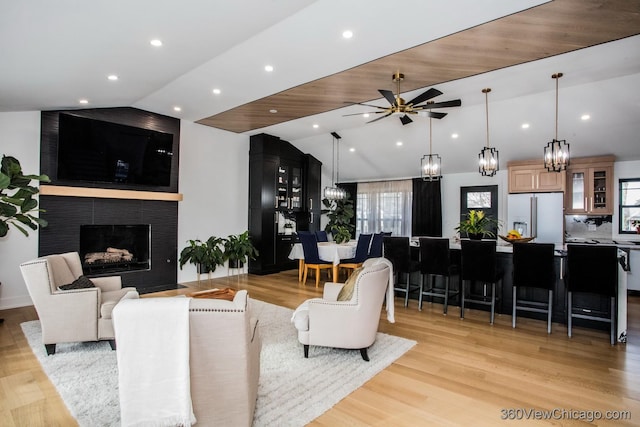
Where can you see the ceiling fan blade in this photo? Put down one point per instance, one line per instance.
(405, 119)
(389, 96)
(381, 117)
(444, 104)
(435, 114)
(425, 96)
(364, 112)
(366, 105)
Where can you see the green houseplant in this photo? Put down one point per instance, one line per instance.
(477, 225)
(238, 249)
(206, 256)
(17, 204)
(340, 213)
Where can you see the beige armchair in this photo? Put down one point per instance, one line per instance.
(72, 315)
(350, 324)
(223, 360)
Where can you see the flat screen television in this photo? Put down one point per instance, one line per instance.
(93, 150)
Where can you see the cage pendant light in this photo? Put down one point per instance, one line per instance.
(488, 161)
(431, 164)
(332, 192)
(556, 152)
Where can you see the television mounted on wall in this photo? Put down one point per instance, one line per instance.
(93, 150)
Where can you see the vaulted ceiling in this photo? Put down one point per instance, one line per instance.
(55, 54)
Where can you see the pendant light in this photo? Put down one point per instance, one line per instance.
(488, 162)
(333, 192)
(556, 153)
(431, 164)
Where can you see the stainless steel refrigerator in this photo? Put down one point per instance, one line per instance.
(537, 214)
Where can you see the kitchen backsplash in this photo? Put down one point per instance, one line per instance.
(588, 227)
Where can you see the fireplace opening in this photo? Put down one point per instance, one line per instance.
(115, 248)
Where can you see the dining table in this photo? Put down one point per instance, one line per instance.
(327, 251)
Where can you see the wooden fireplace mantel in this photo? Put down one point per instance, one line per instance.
(108, 193)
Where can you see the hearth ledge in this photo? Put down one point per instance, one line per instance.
(108, 193)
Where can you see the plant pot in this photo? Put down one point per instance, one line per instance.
(201, 269)
(475, 236)
(236, 263)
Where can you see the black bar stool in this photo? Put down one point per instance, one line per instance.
(592, 269)
(533, 267)
(398, 251)
(435, 261)
(479, 264)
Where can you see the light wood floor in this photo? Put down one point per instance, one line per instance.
(461, 372)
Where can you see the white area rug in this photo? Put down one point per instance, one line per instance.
(293, 391)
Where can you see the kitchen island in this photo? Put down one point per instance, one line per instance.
(505, 290)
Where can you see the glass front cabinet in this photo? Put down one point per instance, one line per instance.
(590, 186)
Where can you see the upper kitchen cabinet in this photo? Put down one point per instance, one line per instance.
(590, 186)
(530, 176)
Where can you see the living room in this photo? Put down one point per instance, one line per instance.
(214, 166)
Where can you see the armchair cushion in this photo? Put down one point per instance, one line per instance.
(346, 293)
(81, 282)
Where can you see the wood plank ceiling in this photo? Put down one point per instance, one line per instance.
(553, 28)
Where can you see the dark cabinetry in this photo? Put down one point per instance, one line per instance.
(284, 185)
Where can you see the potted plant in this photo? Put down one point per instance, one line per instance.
(238, 249)
(477, 225)
(16, 198)
(340, 212)
(206, 256)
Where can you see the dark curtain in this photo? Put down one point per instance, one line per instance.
(352, 189)
(426, 211)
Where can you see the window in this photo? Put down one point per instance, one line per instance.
(384, 206)
(629, 205)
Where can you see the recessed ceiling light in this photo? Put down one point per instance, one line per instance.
(399, 143)
(176, 108)
(83, 101)
(112, 77)
(156, 42)
(216, 91)
(273, 111)
(347, 34)
(525, 126)
(316, 126)
(365, 115)
(454, 135)
(268, 68)
(585, 117)
(353, 150)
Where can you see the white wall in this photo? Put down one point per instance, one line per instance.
(19, 138)
(214, 180)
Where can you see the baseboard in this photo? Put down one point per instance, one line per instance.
(15, 302)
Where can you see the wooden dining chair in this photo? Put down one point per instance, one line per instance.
(311, 258)
(362, 253)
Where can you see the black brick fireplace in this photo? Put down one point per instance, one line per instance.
(73, 217)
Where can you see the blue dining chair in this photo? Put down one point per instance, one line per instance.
(321, 236)
(362, 253)
(375, 251)
(311, 258)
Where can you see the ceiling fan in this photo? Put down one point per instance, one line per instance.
(399, 106)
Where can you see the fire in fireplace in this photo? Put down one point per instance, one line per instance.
(113, 248)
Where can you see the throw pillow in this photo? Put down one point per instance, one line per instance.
(226, 294)
(81, 282)
(346, 293)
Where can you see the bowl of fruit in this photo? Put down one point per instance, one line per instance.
(514, 236)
